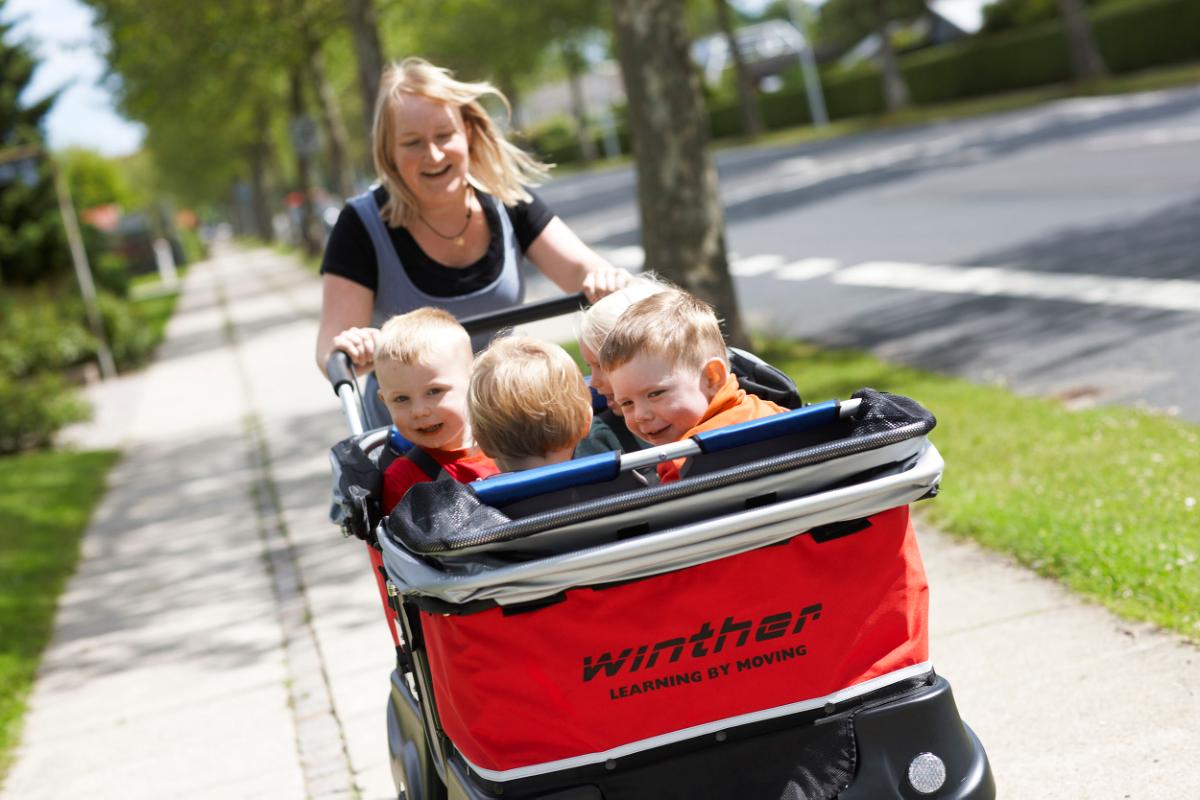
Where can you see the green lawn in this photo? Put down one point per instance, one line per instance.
(46, 500)
(1104, 499)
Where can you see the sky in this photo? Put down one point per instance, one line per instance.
(68, 49)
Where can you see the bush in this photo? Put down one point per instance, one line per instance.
(33, 408)
(130, 337)
(41, 334)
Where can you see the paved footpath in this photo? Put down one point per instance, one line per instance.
(221, 640)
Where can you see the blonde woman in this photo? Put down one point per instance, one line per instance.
(450, 221)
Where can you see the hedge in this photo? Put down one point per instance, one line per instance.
(1133, 35)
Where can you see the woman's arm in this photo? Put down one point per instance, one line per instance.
(345, 320)
(573, 266)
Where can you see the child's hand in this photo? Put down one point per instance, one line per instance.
(359, 344)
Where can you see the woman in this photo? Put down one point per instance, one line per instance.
(450, 221)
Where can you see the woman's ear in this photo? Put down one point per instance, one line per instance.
(713, 377)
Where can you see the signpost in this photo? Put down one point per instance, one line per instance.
(23, 160)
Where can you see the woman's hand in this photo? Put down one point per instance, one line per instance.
(603, 279)
(572, 265)
(359, 344)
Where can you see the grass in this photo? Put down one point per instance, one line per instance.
(1104, 500)
(46, 500)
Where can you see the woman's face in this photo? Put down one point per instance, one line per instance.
(599, 376)
(431, 150)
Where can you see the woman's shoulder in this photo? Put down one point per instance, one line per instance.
(529, 218)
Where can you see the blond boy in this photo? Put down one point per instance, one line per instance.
(669, 370)
(423, 365)
(529, 405)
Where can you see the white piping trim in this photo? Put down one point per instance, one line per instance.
(866, 687)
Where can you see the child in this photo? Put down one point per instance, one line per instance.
(667, 363)
(423, 365)
(529, 405)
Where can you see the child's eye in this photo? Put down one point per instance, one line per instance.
(400, 398)
(656, 392)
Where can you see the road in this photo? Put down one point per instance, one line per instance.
(1055, 249)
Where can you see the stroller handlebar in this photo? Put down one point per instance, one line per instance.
(519, 315)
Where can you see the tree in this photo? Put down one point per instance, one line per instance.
(31, 245)
(752, 122)
(1086, 62)
(848, 21)
(364, 25)
(683, 225)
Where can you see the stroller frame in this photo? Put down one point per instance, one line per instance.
(903, 718)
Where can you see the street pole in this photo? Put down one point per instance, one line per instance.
(83, 272)
(798, 11)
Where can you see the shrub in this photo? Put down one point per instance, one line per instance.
(33, 408)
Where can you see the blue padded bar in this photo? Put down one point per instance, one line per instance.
(510, 487)
(760, 430)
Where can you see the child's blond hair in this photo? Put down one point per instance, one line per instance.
(527, 399)
(411, 338)
(602, 315)
(678, 327)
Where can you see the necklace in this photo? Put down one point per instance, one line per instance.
(458, 237)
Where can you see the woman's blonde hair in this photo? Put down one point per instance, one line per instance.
(527, 399)
(496, 166)
(602, 315)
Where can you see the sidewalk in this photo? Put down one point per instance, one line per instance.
(221, 639)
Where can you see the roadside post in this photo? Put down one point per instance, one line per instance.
(83, 271)
(798, 12)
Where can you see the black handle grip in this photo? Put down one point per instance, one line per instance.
(519, 315)
(340, 370)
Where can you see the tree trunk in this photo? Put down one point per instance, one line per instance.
(260, 155)
(574, 63)
(752, 122)
(308, 238)
(895, 90)
(683, 225)
(331, 121)
(364, 26)
(1086, 62)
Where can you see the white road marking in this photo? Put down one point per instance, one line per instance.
(806, 269)
(1134, 141)
(1172, 295)
(755, 265)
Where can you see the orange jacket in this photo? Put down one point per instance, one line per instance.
(730, 404)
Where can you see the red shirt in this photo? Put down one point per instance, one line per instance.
(462, 465)
(730, 404)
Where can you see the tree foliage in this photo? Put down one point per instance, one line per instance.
(31, 244)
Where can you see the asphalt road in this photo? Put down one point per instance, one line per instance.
(1055, 249)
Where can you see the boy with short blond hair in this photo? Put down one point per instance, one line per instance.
(669, 370)
(529, 404)
(423, 365)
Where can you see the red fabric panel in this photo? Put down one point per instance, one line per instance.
(754, 631)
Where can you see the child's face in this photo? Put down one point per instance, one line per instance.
(428, 400)
(662, 402)
(600, 380)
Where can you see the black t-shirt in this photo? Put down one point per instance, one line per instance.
(350, 254)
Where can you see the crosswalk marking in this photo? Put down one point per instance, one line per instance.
(1169, 295)
(1173, 295)
(755, 265)
(806, 269)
